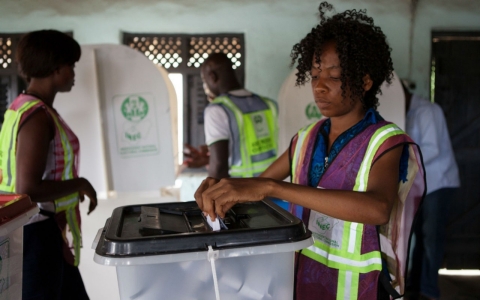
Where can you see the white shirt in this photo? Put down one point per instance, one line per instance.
(426, 125)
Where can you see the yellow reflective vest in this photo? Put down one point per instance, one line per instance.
(64, 165)
(254, 133)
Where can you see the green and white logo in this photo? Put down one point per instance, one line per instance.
(134, 108)
(325, 229)
(324, 223)
(135, 124)
(312, 112)
(260, 124)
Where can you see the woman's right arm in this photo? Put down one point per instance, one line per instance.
(33, 142)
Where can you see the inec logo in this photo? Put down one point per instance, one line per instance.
(260, 124)
(322, 224)
(325, 223)
(134, 108)
(257, 119)
(312, 111)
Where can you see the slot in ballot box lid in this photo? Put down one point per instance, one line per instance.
(179, 227)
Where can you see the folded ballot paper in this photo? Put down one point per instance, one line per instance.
(216, 225)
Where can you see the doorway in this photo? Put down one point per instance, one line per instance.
(455, 86)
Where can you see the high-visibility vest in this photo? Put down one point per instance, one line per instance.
(341, 250)
(254, 135)
(8, 146)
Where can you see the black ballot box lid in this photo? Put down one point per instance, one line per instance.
(177, 227)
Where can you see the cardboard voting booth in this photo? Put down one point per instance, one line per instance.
(120, 108)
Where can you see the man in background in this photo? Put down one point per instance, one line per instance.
(426, 125)
(241, 129)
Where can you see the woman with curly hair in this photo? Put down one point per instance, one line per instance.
(357, 179)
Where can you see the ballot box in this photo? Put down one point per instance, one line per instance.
(169, 251)
(15, 211)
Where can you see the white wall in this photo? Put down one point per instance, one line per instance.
(271, 27)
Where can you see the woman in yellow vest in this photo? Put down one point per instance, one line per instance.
(357, 180)
(39, 157)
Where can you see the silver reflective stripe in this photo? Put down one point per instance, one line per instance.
(263, 156)
(258, 167)
(348, 284)
(10, 146)
(66, 202)
(353, 237)
(272, 106)
(346, 261)
(68, 153)
(67, 148)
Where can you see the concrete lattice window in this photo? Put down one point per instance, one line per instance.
(6, 52)
(10, 82)
(181, 51)
(202, 47)
(164, 51)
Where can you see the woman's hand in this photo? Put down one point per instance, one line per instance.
(215, 196)
(86, 189)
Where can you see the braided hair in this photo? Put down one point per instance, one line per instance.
(361, 47)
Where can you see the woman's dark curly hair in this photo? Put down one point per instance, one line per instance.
(361, 46)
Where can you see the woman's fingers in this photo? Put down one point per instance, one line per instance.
(207, 193)
(222, 207)
(199, 193)
(223, 196)
(217, 197)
